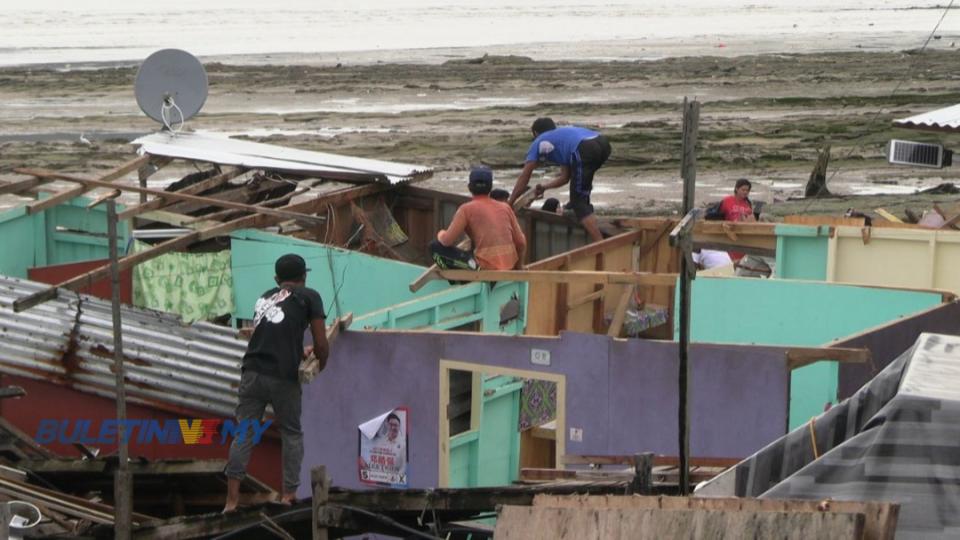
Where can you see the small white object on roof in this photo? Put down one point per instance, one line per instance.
(216, 148)
(946, 119)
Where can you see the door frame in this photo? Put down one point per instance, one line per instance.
(443, 446)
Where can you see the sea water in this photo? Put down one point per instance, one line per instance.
(96, 31)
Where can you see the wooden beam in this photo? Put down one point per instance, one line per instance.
(587, 298)
(72, 193)
(179, 220)
(19, 186)
(658, 461)
(559, 276)
(199, 187)
(621, 312)
(563, 259)
(798, 357)
(172, 195)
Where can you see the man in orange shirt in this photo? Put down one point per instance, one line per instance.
(498, 242)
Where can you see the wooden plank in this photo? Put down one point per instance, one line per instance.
(589, 250)
(180, 220)
(173, 195)
(798, 357)
(658, 461)
(19, 186)
(535, 522)
(824, 220)
(880, 517)
(621, 312)
(72, 193)
(532, 474)
(556, 276)
(585, 299)
(887, 215)
(199, 187)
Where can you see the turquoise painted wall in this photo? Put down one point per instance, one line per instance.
(63, 234)
(374, 289)
(490, 455)
(802, 252)
(799, 313)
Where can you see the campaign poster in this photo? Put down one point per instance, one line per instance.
(383, 449)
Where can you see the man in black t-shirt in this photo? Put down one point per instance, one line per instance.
(269, 373)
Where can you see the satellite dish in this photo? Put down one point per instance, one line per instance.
(171, 86)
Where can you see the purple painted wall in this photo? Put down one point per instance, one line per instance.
(888, 341)
(622, 393)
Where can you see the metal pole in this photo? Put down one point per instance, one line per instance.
(122, 496)
(691, 117)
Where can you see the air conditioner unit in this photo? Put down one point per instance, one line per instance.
(917, 154)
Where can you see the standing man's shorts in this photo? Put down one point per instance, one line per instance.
(591, 154)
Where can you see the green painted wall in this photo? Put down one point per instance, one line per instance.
(374, 289)
(802, 252)
(63, 234)
(490, 455)
(799, 313)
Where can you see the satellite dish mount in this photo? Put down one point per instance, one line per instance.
(171, 87)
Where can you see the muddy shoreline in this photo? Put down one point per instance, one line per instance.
(763, 117)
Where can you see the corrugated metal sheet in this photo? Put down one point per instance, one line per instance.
(215, 148)
(69, 341)
(946, 119)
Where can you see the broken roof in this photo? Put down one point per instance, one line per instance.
(220, 149)
(946, 119)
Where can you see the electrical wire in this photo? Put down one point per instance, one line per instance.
(170, 103)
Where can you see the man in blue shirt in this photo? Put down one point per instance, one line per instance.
(579, 152)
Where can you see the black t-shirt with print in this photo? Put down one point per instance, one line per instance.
(280, 318)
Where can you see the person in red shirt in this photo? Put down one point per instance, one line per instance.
(492, 227)
(737, 207)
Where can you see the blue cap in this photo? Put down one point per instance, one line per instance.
(481, 174)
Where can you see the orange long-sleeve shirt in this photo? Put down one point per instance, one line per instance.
(498, 242)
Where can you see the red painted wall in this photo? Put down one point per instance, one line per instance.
(49, 400)
(59, 273)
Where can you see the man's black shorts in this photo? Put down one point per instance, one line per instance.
(591, 154)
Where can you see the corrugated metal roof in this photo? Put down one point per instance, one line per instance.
(69, 341)
(216, 148)
(946, 119)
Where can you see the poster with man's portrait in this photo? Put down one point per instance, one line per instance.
(383, 449)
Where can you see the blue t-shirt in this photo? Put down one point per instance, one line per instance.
(559, 145)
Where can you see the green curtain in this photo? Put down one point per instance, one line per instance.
(196, 286)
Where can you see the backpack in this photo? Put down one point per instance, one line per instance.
(713, 212)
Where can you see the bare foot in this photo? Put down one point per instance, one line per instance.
(233, 495)
(288, 499)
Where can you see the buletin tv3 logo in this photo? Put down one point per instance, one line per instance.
(190, 431)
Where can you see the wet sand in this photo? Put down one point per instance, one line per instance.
(763, 117)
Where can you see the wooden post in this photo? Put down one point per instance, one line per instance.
(123, 510)
(321, 494)
(642, 474)
(688, 170)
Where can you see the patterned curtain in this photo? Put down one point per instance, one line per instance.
(538, 403)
